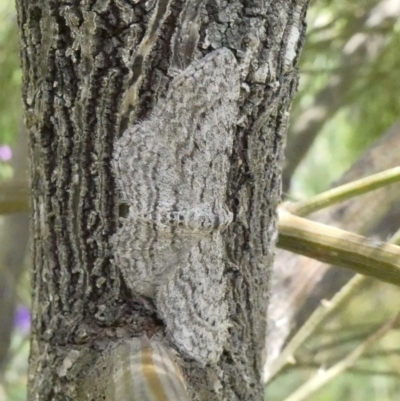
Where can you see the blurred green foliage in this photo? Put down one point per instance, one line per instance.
(13, 378)
(371, 101)
(10, 74)
(370, 105)
(375, 377)
(10, 80)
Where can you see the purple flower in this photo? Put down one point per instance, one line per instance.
(22, 319)
(5, 153)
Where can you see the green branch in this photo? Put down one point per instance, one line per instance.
(14, 197)
(344, 192)
(338, 247)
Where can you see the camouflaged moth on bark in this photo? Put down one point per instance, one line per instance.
(171, 170)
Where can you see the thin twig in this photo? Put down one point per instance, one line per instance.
(344, 192)
(322, 378)
(315, 321)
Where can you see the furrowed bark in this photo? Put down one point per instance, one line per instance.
(77, 68)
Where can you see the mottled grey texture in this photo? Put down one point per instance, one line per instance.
(75, 59)
(172, 171)
(184, 41)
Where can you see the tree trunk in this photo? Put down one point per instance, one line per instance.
(92, 70)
